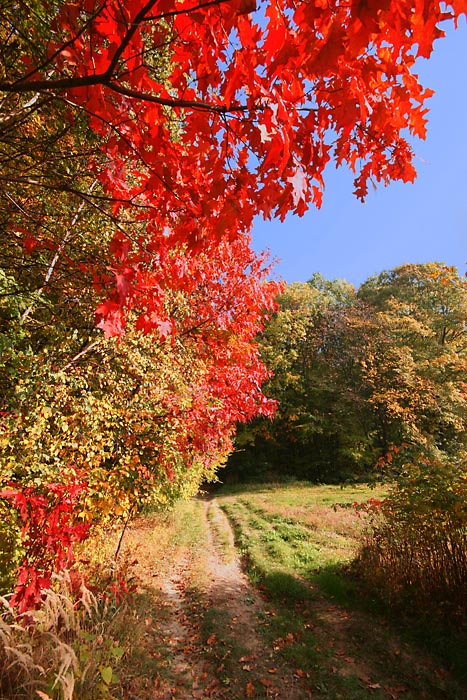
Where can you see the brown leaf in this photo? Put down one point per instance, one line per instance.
(250, 690)
(300, 673)
(266, 682)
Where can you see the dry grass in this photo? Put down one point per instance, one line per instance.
(423, 569)
(67, 649)
(73, 645)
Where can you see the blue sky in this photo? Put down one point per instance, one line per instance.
(420, 222)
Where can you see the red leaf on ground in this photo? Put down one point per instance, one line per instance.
(266, 682)
(250, 690)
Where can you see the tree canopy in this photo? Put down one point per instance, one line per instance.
(358, 373)
(198, 116)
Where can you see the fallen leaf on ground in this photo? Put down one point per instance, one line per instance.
(250, 690)
(266, 682)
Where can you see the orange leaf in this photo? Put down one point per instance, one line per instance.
(300, 673)
(250, 690)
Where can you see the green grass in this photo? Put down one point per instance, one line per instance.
(298, 542)
(297, 531)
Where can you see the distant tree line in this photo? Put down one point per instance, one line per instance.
(359, 372)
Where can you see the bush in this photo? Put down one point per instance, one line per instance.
(415, 551)
(67, 649)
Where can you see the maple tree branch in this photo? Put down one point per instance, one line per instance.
(140, 17)
(185, 10)
(64, 46)
(63, 187)
(138, 153)
(173, 102)
(106, 81)
(22, 85)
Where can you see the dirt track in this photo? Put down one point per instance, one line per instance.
(233, 664)
(214, 647)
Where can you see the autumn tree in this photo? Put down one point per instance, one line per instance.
(313, 423)
(249, 107)
(420, 383)
(357, 373)
(416, 550)
(138, 142)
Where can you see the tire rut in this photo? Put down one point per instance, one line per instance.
(230, 592)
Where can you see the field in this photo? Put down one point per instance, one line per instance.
(251, 593)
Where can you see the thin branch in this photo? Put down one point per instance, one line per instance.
(103, 79)
(172, 102)
(140, 17)
(77, 357)
(20, 86)
(56, 257)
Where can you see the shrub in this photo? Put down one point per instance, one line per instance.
(415, 550)
(11, 551)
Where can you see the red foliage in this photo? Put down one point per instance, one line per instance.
(250, 108)
(50, 527)
(372, 505)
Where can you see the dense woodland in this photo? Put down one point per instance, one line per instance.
(357, 373)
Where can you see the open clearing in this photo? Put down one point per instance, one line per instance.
(247, 595)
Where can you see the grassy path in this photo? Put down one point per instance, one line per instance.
(293, 629)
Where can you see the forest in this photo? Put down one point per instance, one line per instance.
(357, 373)
(147, 351)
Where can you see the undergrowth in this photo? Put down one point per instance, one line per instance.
(68, 648)
(415, 552)
(299, 546)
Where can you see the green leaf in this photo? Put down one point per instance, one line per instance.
(106, 674)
